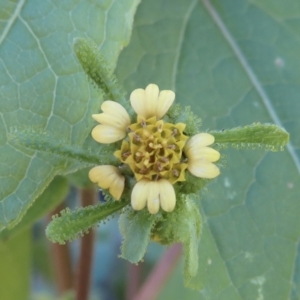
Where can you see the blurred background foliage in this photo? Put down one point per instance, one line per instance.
(234, 62)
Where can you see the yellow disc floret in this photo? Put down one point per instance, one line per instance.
(154, 150)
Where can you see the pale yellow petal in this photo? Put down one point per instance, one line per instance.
(107, 181)
(117, 111)
(203, 169)
(117, 186)
(137, 100)
(167, 195)
(165, 100)
(153, 197)
(106, 134)
(106, 119)
(97, 173)
(139, 194)
(151, 102)
(96, 117)
(204, 153)
(199, 140)
(108, 177)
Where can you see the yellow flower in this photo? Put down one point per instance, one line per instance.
(200, 157)
(114, 121)
(155, 194)
(157, 153)
(150, 102)
(108, 177)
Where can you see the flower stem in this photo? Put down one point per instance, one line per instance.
(60, 255)
(84, 267)
(156, 280)
(133, 279)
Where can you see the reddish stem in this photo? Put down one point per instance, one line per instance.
(84, 267)
(133, 279)
(161, 272)
(61, 259)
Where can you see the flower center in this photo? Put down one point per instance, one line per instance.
(153, 150)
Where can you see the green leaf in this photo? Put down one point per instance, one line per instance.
(182, 225)
(54, 146)
(54, 194)
(268, 136)
(136, 229)
(42, 85)
(97, 68)
(72, 224)
(15, 266)
(236, 63)
(212, 275)
(80, 179)
(190, 234)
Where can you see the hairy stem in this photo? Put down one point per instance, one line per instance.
(60, 255)
(83, 278)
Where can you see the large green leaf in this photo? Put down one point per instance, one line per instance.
(43, 86)
(53, 195)
(236, 63)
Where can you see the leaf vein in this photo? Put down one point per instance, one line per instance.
(105, 24)
(252, 76)
(223, 260)
(48, 64)
(12, 20)
(180, 42)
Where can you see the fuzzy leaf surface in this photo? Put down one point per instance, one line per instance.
(136, 234)
(70, 225)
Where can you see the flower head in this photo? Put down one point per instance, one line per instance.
(157, 153)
